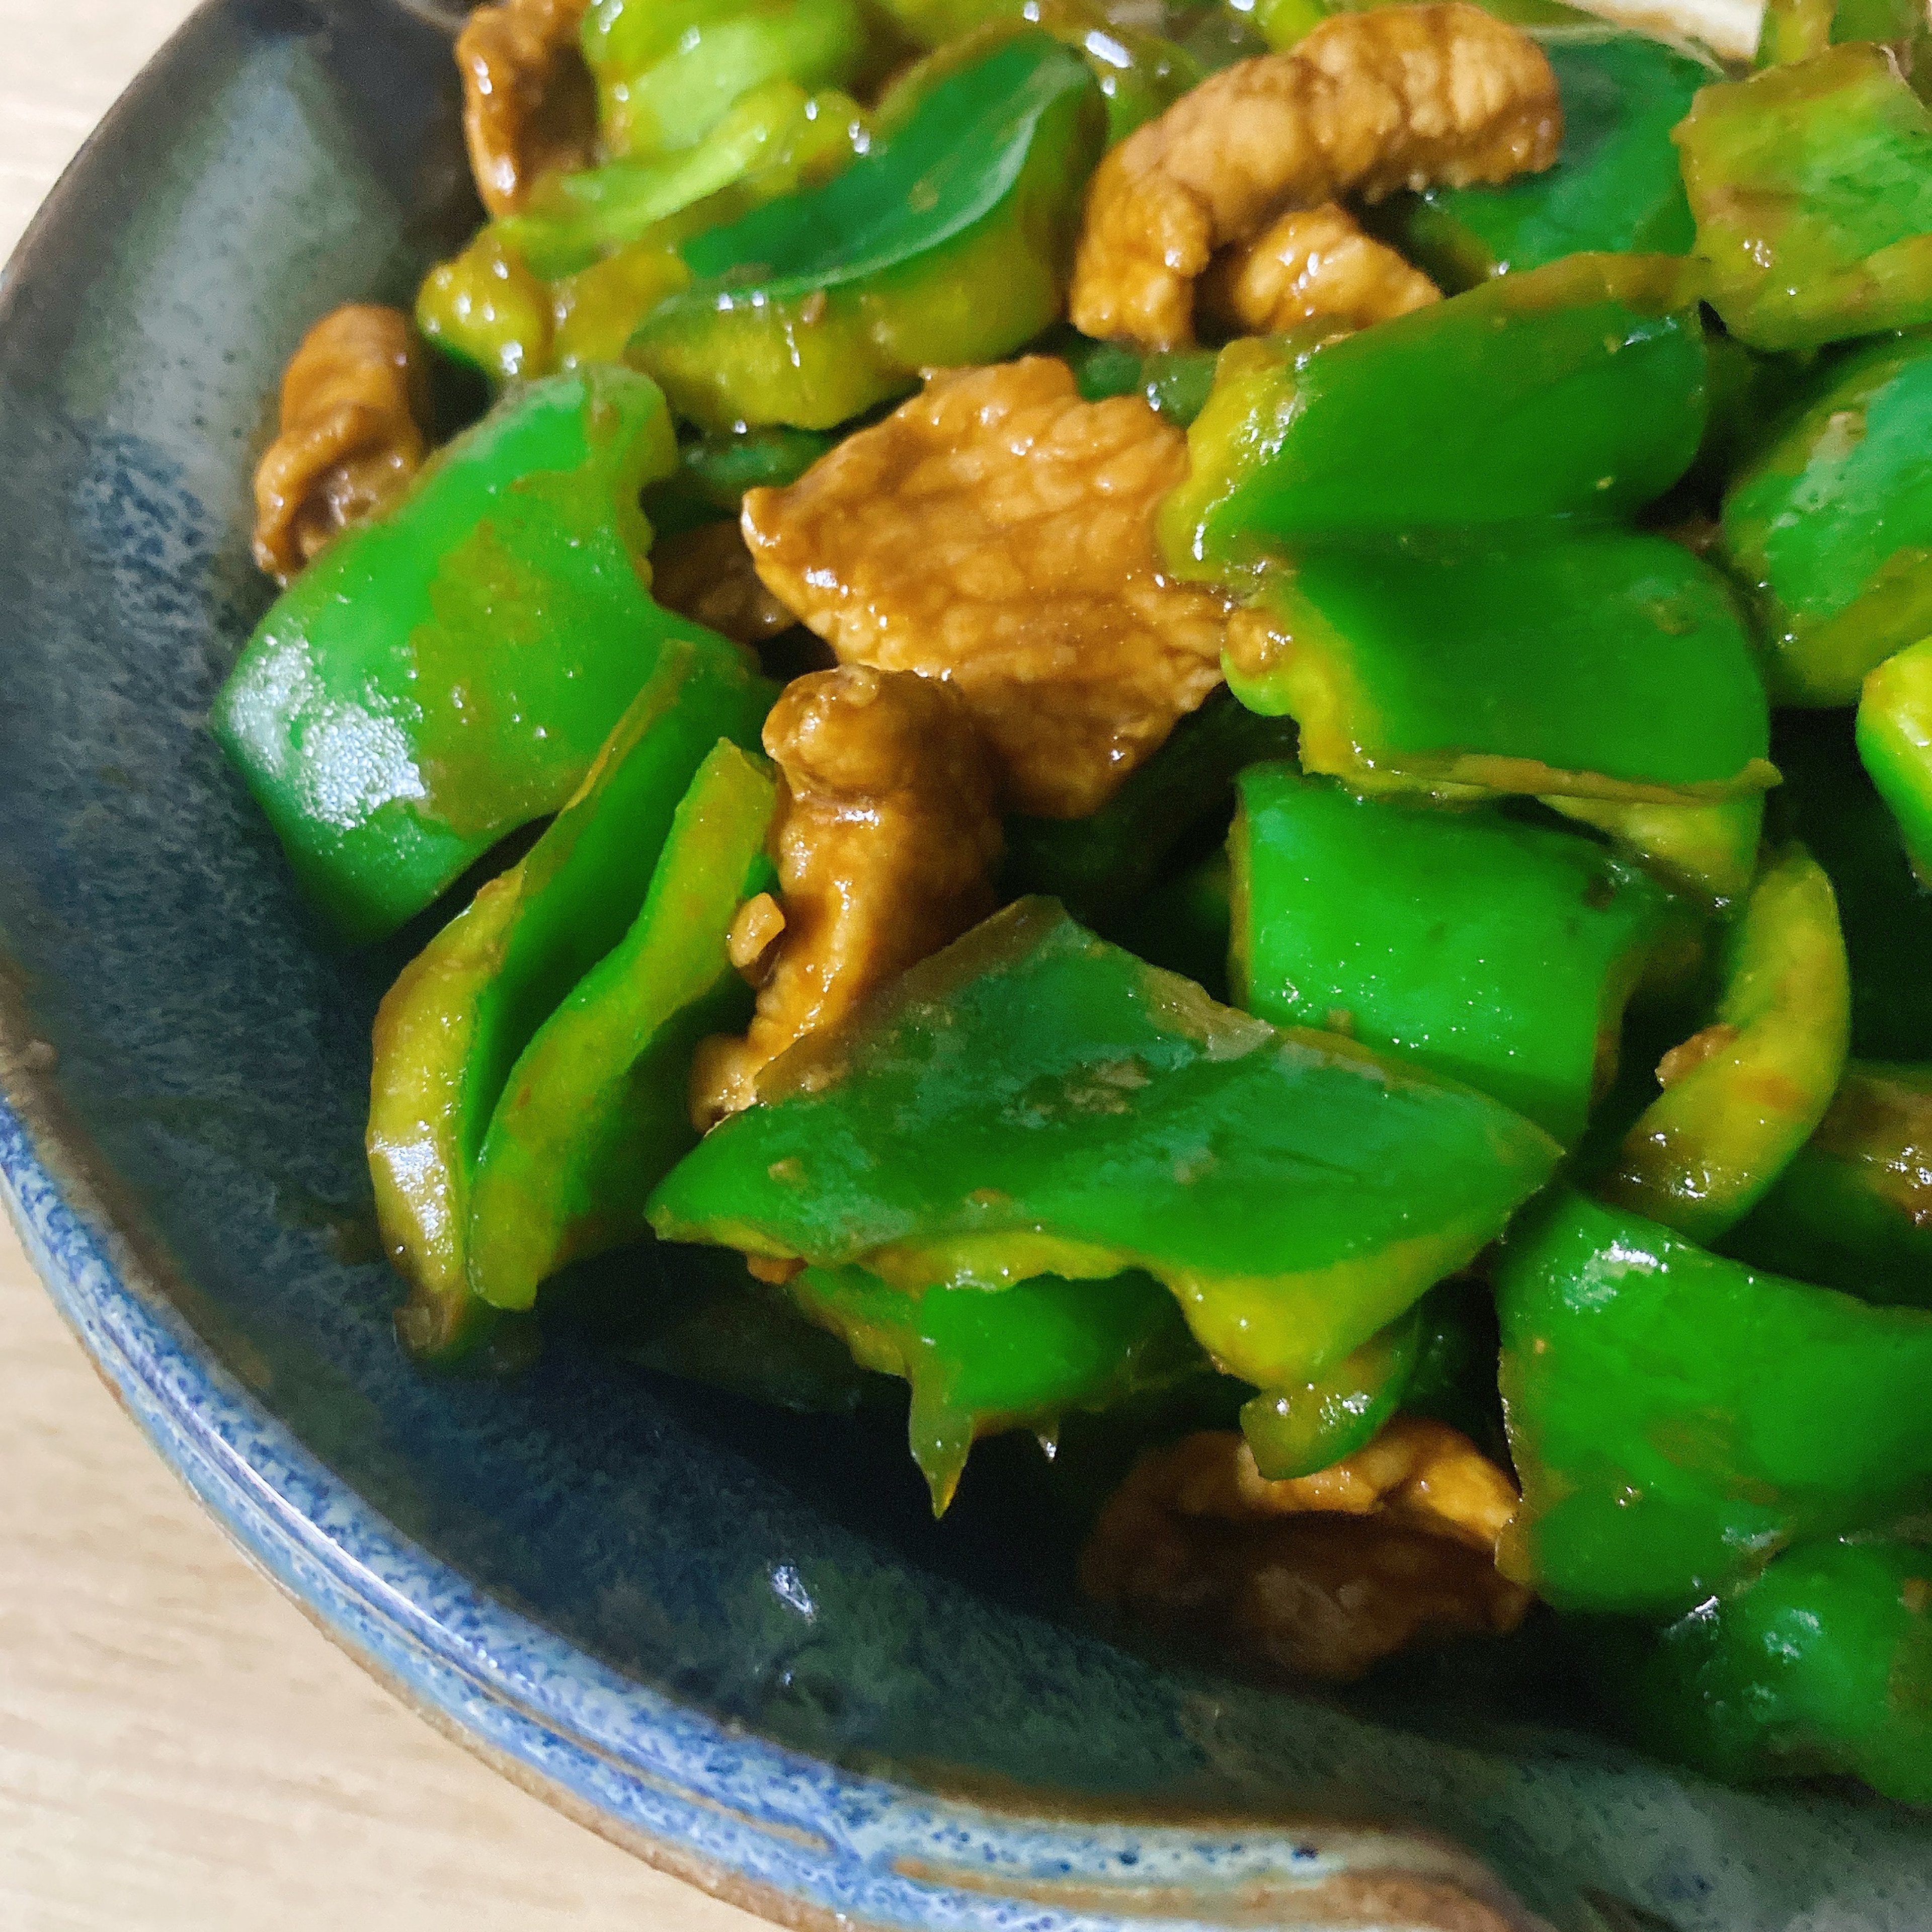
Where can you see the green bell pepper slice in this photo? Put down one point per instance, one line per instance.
(1828, 802)
(1494, 953)
(777, 139)
(1796, 30)
(1099, 867)
(1603, 664)
(1285, 23)
(950, 243)
(1438, 1360)
(484, 309)
(1853, 1210)
(1175, 383)
(1577, 390)
(451, 1030)
(1615, 189)
(444, 675)
(1708, 852)
(1714, 1143)
(1822, 1664)
(597, 1109)
(667, 74)
(1302, 1431)
(1140, 70)
(1677, 1419)
(1832, 525)
(566, 281)
(1894, 739)
(981, 1363)
(714, 472)
(1033, 1101)
(1812, 187)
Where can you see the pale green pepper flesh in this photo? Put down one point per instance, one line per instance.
(566, 282)
(1812, 187)
(664, 89)
(1714, 1143)
(1600, 664)
(1894, 739)
(597, 1109)
(950, 243)
(1708, 852)
(1302, 1431)
(451, 1030)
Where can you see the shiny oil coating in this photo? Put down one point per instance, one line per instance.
(1309, 264)
(1788, 1412)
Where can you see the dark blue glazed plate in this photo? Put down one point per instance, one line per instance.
(728, 1637)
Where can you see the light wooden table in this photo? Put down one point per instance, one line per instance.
(178, 1747)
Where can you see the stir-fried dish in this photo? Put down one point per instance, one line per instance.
(1208, 723)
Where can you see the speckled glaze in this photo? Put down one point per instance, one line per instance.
(730, 1638)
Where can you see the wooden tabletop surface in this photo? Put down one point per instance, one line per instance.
(178, 1747)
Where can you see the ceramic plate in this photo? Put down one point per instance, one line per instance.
(730, 1638)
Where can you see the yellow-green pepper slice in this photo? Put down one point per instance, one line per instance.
(1755, 1085)
(1812, 186)
(597, 1109)
(1033, 1101)
(1895, 739)
(668, 71)
(451, 1028)
(566, 281)
(1299, 1432)
(1709, 851)
(950, 243)
(1854, 1209)
(1595, 664)
(981, 1364)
